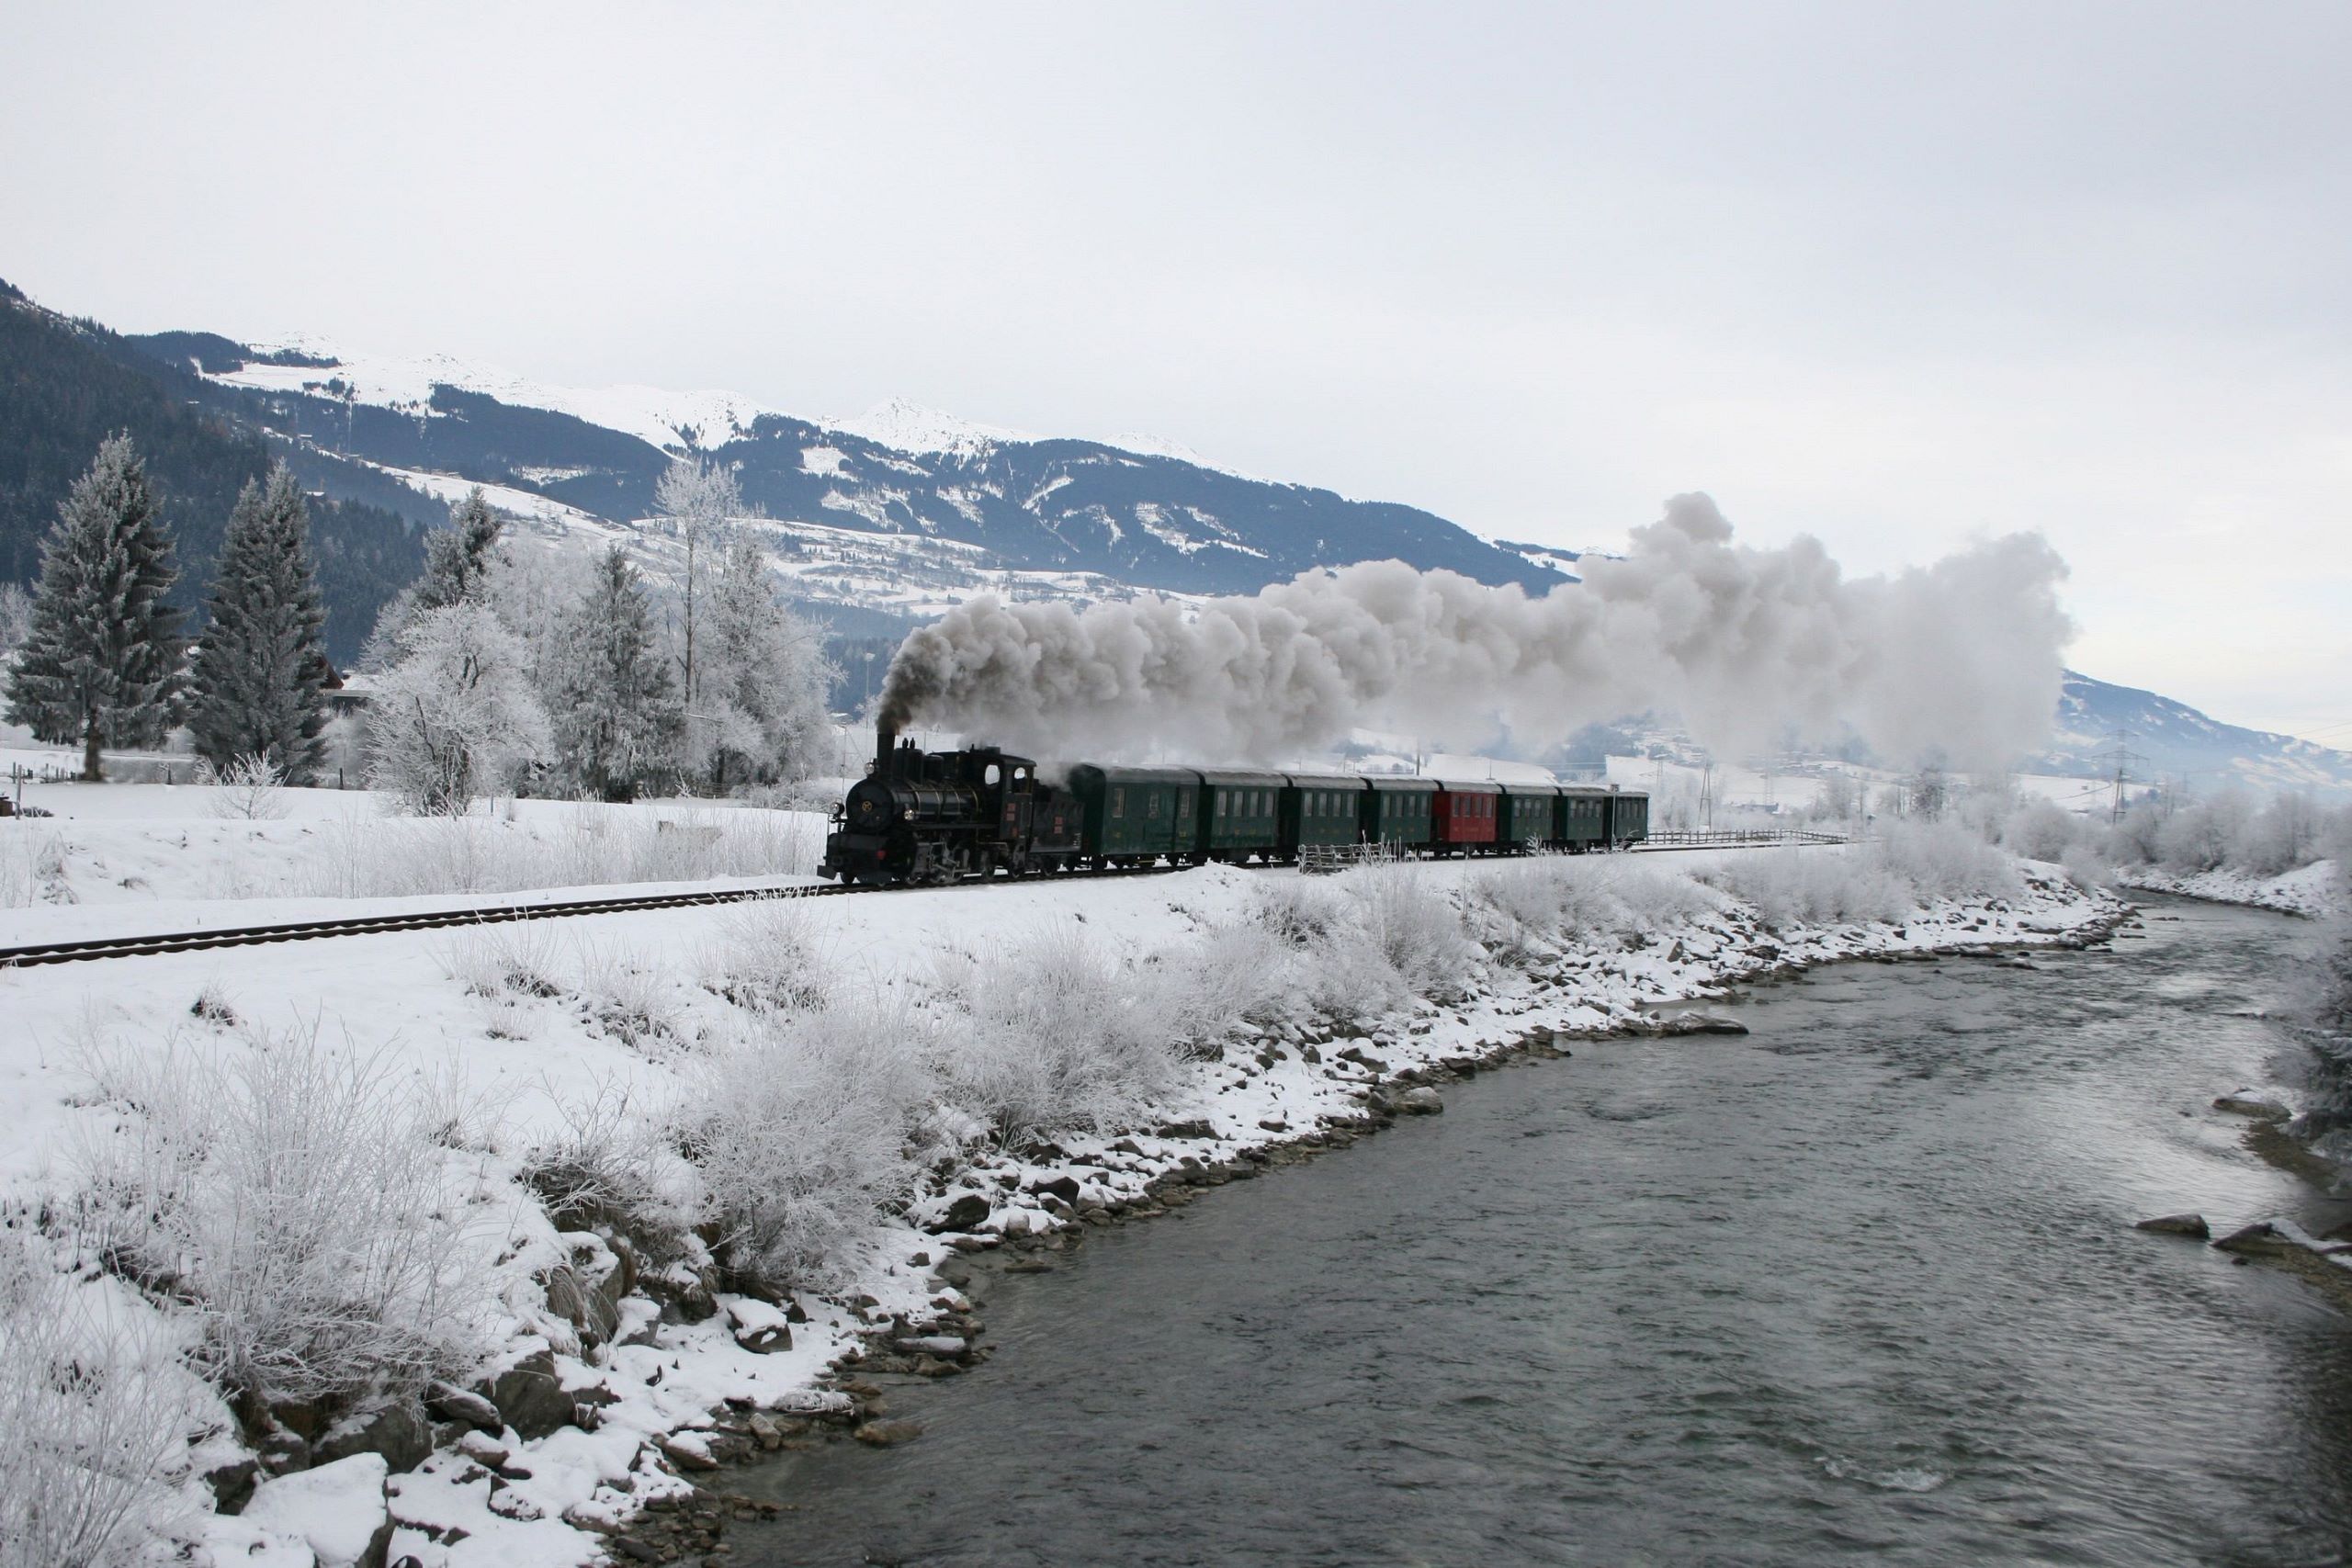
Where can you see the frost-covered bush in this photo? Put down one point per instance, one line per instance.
(504, 958)
(1416, 927)
(1203, 990)
(768, 952)
(248, 789)
(615, 1168)
(1940, 859)
(32, 865)
(1535, 907)
(1814, 887)
(296, 1198)
(1054, 1035)
(635, 1001)
(1299, 913)
(804, 1133)
(93, 1402)
(2039, 830)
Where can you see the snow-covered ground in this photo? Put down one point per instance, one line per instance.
(1207, 1020)
(2317, 889)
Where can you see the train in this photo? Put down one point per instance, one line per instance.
(933, 817)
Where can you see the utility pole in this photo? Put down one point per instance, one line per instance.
(2122, 756)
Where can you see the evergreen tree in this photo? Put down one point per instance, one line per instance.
(259, 678)
(620, 714)
(457, 560)
(102, 665)
(762, 704)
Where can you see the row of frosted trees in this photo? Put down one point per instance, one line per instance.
(494, 671)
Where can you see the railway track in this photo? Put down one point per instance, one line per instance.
(93, 948)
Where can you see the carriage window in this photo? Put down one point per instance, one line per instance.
(1118, 803)
(1223, 800)
(1151, 804)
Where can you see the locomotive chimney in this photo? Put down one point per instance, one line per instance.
(886, 735)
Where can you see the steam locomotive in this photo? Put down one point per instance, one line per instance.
(941, 816)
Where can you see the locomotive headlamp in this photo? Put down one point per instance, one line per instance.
(908, 814)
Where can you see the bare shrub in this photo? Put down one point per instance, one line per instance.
(769, 953)
(249, 789)
(1057, 1036)
(804, 1134)
(293, 1196)
(93, 1405)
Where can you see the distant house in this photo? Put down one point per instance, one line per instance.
(348, 695)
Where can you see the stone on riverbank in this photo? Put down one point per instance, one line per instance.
(2177, 1224)
(2254, 1105)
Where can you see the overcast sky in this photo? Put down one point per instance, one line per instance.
(1892, 275)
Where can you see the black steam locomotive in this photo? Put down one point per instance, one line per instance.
(941, 816)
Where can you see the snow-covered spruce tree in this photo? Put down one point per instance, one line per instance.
(455, 718)
(257, 686)
(698, 497)
(102, 663)
(762, 708)
(618, 719)
(458, 563)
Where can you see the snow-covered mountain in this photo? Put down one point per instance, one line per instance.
(2171, 740)
(957, 503)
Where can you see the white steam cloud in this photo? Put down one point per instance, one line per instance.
(1959, 660)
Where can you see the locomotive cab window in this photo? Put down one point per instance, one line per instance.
(992, 775)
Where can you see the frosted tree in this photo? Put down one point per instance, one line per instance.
(16, 616)
(698, 497)
(258, 682)
(455, 718)
(101, 664)
(762, 708)
(460, 563)
(619, 719)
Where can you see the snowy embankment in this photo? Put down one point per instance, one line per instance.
(489, 1240)
(2315, 890)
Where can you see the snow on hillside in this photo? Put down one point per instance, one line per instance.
(904, 425)
(672, 421)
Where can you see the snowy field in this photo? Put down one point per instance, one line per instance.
(116, 859)
(486, 1127)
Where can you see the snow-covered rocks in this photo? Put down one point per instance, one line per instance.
(337, 1510)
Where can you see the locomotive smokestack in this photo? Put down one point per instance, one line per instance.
(886, 735)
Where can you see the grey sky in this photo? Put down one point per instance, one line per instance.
(1892, 276)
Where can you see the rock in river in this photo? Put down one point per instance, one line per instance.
(890, 1433)
(2177, 1224)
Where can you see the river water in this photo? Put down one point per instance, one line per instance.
(1862, 1285)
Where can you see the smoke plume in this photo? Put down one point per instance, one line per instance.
(1960, 658)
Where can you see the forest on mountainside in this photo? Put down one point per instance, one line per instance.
(66, 385)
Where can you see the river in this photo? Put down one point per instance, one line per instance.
(1862, 1285)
